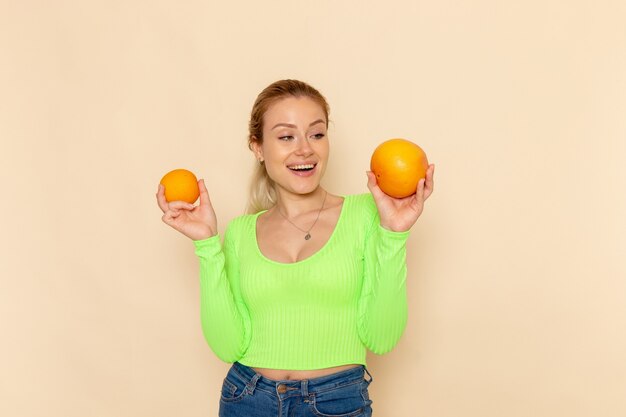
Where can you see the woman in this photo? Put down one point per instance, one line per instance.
(308, 281)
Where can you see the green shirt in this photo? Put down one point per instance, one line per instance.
(320, 312)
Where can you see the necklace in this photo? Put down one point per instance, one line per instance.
(308, 232)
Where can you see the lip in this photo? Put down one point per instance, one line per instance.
(302, 163)
(304, 173)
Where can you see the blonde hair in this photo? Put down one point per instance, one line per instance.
(262, 194)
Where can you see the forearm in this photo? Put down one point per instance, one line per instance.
(383, 305)
(222, 315)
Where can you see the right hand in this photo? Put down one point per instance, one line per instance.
(195, 222)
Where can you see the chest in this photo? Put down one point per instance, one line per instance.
(330, 278)
(278, 267)
(282, 241)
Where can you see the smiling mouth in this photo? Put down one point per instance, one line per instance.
(302, 168)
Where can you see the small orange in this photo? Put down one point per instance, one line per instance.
(399, 165)
(181, 185)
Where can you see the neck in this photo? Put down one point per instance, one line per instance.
(293, 205)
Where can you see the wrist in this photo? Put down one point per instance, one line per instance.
(394, 228)
(200, 239)
(202, 235)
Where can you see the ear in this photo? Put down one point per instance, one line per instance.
(257, 148)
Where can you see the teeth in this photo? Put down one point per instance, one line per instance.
(308, 166)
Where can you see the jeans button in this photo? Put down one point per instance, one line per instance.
(282, 389)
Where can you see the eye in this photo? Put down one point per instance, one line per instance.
(286, 137)
(319, 136)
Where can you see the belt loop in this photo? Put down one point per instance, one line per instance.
(252, 384)
(366, 371)
(305, 387)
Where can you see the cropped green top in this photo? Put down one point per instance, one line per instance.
(323, 311)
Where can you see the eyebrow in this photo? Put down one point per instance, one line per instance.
(294, 126)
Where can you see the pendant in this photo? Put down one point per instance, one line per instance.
(307, 237)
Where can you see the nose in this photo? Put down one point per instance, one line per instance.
(304, 147)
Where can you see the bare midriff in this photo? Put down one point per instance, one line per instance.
(282, 374)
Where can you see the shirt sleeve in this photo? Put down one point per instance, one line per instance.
(224, 316)
(383, 302)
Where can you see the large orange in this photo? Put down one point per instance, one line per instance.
(399, 165)
(181, 185)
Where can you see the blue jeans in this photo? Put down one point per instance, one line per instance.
(246, 393)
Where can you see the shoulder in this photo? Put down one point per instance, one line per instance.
(361, 208)
(241, 220)
(363, 203)
(239, 225)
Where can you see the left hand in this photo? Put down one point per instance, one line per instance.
(399, 214)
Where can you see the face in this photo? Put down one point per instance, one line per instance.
(295, 144)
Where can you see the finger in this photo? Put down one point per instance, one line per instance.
(419, 194)
(168, 219)
(170, 216)
(430, 183)
(373, 185)
(161, 198)
(181, 205)
(430, 173)
(205, 200)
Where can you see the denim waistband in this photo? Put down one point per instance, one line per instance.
(320, 384)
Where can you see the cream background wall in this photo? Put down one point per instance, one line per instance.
(517, 279)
